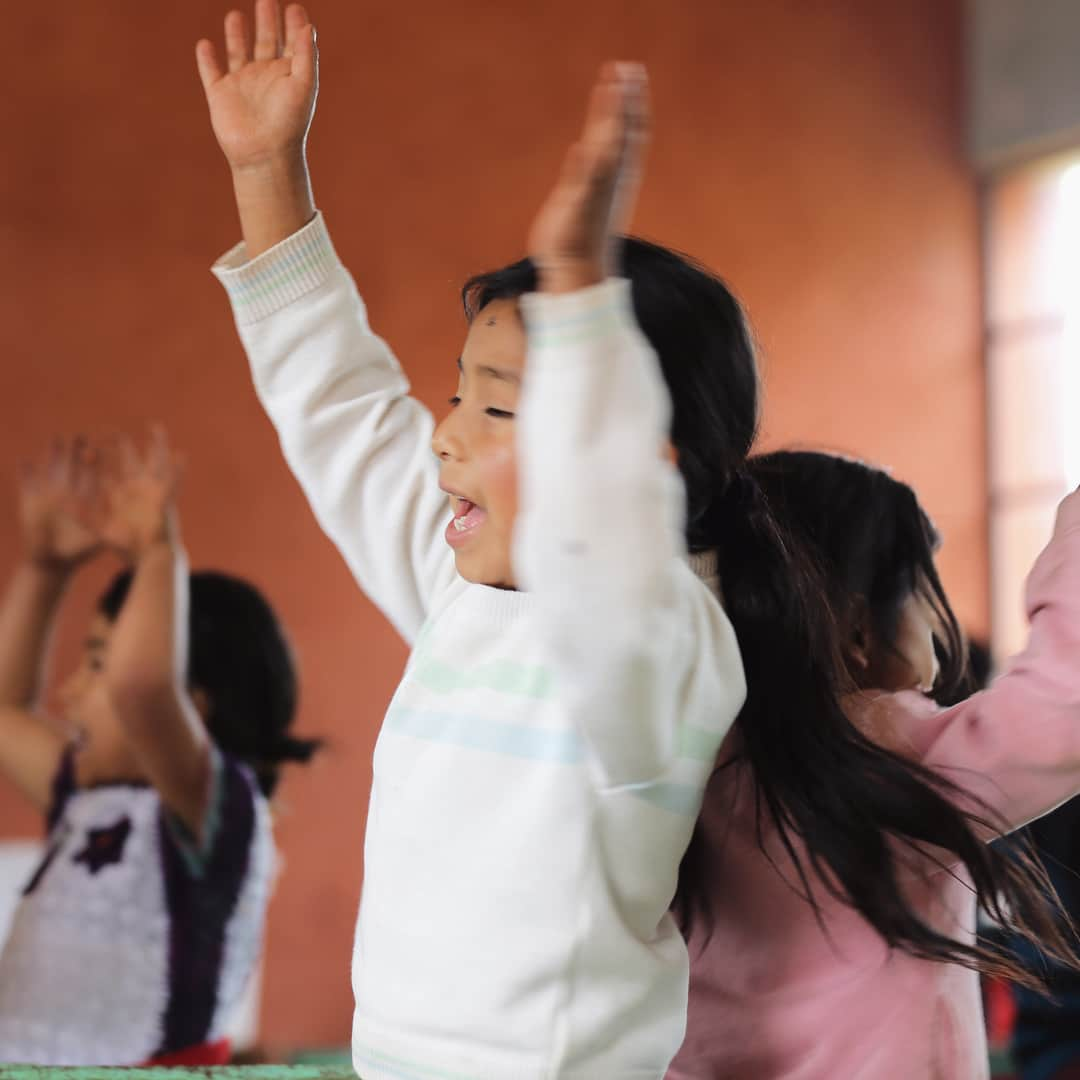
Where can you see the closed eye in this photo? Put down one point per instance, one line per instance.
(500, 414)
(455, 401)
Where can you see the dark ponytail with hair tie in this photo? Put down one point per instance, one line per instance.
(850, 802)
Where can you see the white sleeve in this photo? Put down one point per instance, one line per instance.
(641, 647)
(358, 444)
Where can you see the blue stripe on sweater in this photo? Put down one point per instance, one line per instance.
(493, 736)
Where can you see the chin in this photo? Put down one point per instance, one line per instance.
(467, 567)
(477, 570)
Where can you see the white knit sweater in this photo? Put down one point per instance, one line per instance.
(541, 766)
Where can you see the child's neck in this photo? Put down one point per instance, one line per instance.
(100, 770)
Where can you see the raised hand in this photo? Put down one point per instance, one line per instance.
(138, 496)
(262, 102)
(56, 496)
(574, 238)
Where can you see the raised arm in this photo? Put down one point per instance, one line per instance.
(146, 662)
(358, 444)
(53, 501)
(1016, 745)
(642, 648)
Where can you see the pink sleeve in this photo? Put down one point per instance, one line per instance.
(1016, 745)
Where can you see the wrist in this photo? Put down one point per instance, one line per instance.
(281, 167)
(274, 199)
(570, 275)
(164, 543)
(167, 537)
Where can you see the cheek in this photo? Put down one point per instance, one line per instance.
(500, 480)
(919, 650)
(96, 698)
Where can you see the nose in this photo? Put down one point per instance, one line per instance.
(446, 440)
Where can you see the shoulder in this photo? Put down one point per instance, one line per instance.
(237, 815)
(906, 722)
(714, 640)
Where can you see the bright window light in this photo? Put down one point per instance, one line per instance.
(1069, 282)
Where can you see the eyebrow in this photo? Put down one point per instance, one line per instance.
(494, 373)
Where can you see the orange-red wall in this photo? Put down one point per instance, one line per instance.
(811, 152)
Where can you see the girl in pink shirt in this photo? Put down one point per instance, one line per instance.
(831, 949)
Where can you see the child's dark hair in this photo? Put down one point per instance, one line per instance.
(239, 658)
(705, 350)
(843, 796)
(874, 547)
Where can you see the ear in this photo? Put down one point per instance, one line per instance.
(860, 637)
(201, 700)
(669, 453)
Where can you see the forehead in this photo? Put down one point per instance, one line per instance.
(496, 339)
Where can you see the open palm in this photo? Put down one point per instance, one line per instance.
(139, 492)
(262, 104)
(578, 228)
(55, 494)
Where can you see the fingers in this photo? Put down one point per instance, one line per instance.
(267, 30)
(55, 461)
(617, 117)
(305, 61)
(206, 60)
(178, 467)
(296, 25)
(124, 458)
(237, 40)
(574, 172)
(66, 476)
(65, 463)
(159, 458)
(637, 105)
(602, 112)
(84, 470)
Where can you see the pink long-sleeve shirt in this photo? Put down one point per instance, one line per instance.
(773, 998)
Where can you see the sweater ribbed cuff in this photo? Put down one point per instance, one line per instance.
(557, 320)
(287, 271)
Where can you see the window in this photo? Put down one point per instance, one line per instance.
(1033, 372)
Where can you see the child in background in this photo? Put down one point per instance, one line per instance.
(138, 932)
(540, 768)
(1046, 1033)
(790, 978)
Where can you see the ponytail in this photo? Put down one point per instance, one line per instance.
(845, 809)
(850, 803)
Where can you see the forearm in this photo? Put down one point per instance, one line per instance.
(601, 506)
(26, 617)
(148, 649)
(1017, 744)
(637, 640)
(274, 200)
(358, 444)
(147, 680)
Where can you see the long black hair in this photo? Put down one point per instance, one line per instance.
(873, 547)
(823, 783)
(239, 658)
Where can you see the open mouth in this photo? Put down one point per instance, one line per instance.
(468, 517)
